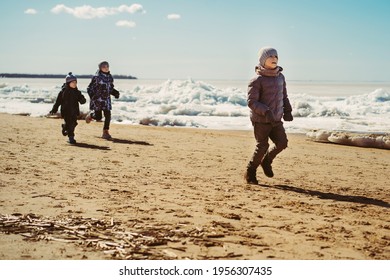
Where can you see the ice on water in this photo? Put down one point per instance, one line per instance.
(192, 103)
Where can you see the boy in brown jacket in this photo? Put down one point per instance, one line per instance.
(268, 102)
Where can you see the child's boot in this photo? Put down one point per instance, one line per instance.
(88, 118)
(72, 140)
(266, 165)
(250, 176)
(64, 132)
(106, 134)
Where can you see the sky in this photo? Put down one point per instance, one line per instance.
(323, 40)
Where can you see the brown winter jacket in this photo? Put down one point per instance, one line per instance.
(268, 93)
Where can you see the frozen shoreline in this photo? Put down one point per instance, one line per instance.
(190, 103)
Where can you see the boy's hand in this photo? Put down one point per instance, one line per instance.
(82, 100)
(269, 116)
(287, 116)
(115, 93)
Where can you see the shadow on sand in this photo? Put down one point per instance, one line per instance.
(334, 196)
(91, 146)
(129, 142)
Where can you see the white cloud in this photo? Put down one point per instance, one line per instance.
(135, 8)
(173, 16)
(126, 23)
(89, 12)
(31, 12)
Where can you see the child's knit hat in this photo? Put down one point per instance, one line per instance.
(266, 52)
(101, 64)
(70, 78)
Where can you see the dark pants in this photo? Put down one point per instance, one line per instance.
(262, 132)
(97, 115)
(70, 124)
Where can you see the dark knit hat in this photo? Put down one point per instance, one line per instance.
(70, 78)
(101, 64)
(265, 53)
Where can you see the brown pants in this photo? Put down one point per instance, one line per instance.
(262, 132)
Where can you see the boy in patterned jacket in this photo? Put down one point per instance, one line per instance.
(100, 90)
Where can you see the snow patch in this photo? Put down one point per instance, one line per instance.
(381, 141)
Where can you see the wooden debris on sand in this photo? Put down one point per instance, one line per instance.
(108, 236)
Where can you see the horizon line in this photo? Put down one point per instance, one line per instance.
(126, 76)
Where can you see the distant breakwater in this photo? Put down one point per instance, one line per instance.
(58, 76)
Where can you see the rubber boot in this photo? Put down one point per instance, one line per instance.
(72, 140)
(267, 167)
(88, 118)
(250, 176)
(64, 132)
(106, 134)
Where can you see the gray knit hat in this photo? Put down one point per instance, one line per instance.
(70, 78)
(266, 52)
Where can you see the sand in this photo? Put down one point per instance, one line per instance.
(326, 201)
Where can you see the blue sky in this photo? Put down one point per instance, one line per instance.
(217, 39)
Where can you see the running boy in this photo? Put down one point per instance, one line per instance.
(99, 90)
(268, 103)
(69, 98)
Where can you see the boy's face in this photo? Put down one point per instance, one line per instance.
(73, 84)
(105, 68)
(271, 62)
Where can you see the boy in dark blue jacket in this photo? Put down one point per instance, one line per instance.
(69, 98)
(100, 90)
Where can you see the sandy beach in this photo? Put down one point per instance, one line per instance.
(184, 188)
